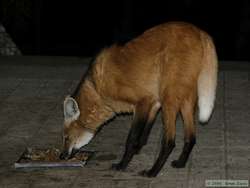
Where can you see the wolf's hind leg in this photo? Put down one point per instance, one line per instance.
(187, 111)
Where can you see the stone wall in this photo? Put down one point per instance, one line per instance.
(7, 46)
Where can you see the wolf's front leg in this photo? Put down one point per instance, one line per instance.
(144, 115)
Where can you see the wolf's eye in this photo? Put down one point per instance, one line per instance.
(66, 138)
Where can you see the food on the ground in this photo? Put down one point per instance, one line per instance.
(51, 155)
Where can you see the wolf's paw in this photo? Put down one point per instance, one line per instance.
(178, 164)
(147, 173)
(118, 167)
(137, 150)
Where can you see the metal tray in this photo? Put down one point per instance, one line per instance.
(23, 162)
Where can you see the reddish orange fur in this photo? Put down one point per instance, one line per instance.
(160, 68)
(162, 65)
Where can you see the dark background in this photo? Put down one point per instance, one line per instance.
(82, 28)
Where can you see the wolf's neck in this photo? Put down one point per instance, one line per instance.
(93, 110)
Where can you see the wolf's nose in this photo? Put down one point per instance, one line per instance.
(74, 152)
(64, 155)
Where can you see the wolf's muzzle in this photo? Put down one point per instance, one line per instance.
(65, 154)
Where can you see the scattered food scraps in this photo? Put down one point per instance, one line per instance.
(34, 158)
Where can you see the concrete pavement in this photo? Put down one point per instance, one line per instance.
(32, 90)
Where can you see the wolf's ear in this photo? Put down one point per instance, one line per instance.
(71, 110)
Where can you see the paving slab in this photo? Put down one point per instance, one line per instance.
(32, 90)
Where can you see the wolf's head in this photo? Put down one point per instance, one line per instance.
(82, 118)
(76, 134)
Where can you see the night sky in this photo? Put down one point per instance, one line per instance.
(82, 28)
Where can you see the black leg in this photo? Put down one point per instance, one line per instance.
(181, 162)
(144, 136)
(148, 127)
(141, 126)
(168, 140)
(187, 111)
(131, 145)
(166, 149)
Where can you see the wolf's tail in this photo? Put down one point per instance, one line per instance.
(207, 80)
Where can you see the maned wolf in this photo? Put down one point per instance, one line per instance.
(169, 67)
